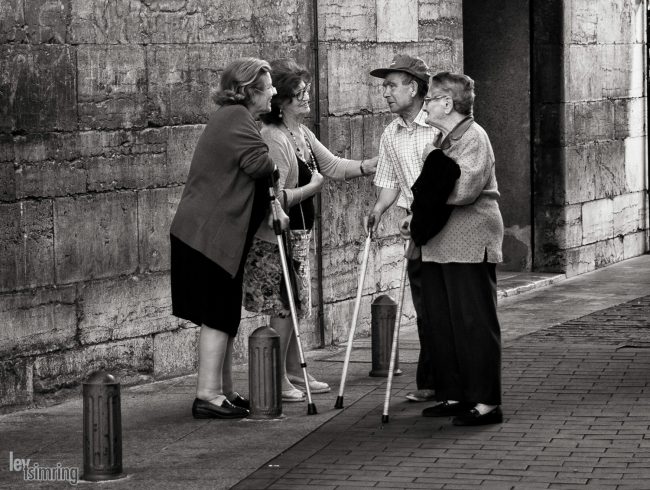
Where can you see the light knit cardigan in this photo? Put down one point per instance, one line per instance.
(283, 154)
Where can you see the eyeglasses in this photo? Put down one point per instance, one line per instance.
(304, 93)
(437, 97)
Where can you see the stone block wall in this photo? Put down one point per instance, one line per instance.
(354, 38)
(590, 166)
(101, 104)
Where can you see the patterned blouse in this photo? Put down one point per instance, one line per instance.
(475, 228)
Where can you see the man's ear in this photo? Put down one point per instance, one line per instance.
(414, 88)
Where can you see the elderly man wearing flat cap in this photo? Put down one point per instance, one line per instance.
(402, 144)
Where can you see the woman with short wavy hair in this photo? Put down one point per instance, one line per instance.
(458, 265)
(223, 203)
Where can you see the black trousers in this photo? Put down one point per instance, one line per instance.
(425, 374)
(460, 304)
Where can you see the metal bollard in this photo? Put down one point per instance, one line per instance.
(383, 312)
(264, 383)
(102, 428)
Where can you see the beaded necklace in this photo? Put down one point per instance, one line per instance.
(311, 163)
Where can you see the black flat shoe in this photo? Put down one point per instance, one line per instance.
(445, 409)
(202, 409)
(239, 401)
(473, 417)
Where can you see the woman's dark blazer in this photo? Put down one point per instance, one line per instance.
(214, 211)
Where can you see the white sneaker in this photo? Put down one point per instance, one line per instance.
(314, 385)
(292, 395)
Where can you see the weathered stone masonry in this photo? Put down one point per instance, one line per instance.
(101, 104)
(590, 163)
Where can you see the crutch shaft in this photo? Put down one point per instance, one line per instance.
(294, 314)
(355, 314)
(393, 350)
(311, 409)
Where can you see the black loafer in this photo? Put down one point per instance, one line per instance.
(239, 401)
(445, 409)
(202, 409)
(474, 417)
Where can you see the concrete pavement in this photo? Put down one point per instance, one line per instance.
(576, 380)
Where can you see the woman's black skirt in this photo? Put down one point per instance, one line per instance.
(203, 292)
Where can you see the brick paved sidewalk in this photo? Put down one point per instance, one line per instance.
(577, 414)
(575, 399)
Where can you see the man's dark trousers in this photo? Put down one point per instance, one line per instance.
(425, 374)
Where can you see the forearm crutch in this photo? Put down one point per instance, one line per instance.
(311, 408)
(393, 350)
(353, 323)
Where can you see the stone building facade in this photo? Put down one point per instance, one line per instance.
(103, 100)
(590, 146)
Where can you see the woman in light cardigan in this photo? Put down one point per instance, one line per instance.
(302, 162)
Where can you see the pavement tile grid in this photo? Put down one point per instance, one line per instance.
(576, 408)
(626, 325)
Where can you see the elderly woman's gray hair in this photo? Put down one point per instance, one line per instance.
(459, 87)
(240, 80)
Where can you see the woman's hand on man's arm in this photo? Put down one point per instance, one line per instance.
(369, 166)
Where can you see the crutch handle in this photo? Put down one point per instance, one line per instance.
(277, 227)
(371, 224)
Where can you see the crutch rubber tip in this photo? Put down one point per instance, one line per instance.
(339, 402)
(384, 419)
(311, 409)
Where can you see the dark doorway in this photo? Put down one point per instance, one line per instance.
(497, 40)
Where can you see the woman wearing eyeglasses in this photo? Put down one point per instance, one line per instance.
(303, 162)
(459, 264)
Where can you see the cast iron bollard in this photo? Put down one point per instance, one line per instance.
(102, 431)
(265, 388)
(383, 313)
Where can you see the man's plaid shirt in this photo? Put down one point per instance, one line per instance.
(400, 155)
